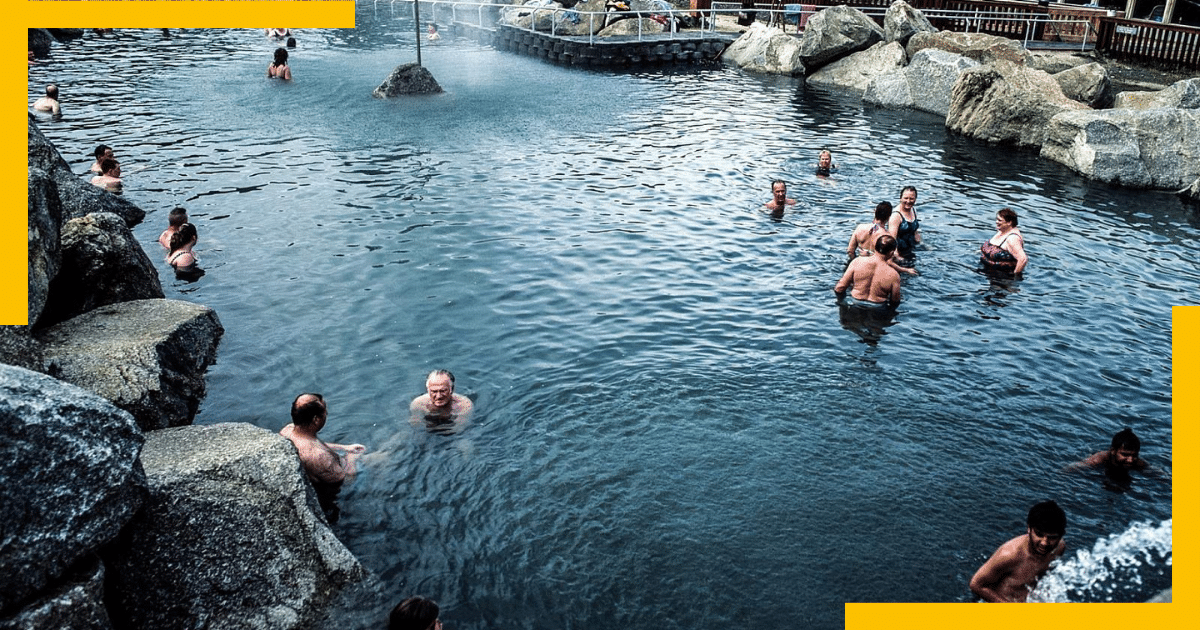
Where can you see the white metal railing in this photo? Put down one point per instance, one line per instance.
(970, 20)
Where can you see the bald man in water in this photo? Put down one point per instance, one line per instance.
(324, 462)
(49, 102)
(1014, 569)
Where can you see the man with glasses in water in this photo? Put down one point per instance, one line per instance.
(1014, 569)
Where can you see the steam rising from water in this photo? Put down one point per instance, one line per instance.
(1113, 570)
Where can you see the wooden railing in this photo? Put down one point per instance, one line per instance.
(1142, 41)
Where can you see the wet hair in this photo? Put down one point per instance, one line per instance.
(281, 56)
(1048, 518)
(177, 217)
(883, 211)
(885, 244)
(100, 150)
(304, 415)
(291, 43)
(414, 613)
(908, 188)
(778, 181)
(1126, 439)
(108, 164)
(441, 373)
(52, 91)
(1008, 215)
(182, 236)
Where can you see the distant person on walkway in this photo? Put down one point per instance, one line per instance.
(439, 405)
(181, 256)
(49, 102)
(779, 199)
(1120, 458)
(110, 174)
(1014, 568)
(905, 228)
(176, 218)
(1005, 251)
(279, 67)
(874, 281)
(415, 613)
(327, 465)
(825, 164)
(101, 152)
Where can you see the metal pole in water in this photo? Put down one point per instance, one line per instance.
(417, 21)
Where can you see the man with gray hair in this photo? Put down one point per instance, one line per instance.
(439, 404)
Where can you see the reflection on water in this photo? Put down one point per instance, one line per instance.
(674, 428)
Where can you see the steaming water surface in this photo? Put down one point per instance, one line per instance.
(674, 429)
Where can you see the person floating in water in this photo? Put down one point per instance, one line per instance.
(779, 199)
(874, 281)
(49, 102)
(439, 405)
(1006, 250)
(327, 465)
(279, 67)
(905, 227)
(1014, 569)
(825, 164)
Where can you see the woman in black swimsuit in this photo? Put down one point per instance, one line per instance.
(1006, 250)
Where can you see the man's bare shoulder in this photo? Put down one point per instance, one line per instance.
(463, 404)
(420, 403)
(1010, 553)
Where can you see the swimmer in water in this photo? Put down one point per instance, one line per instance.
(904, 226)
(279, 67)
(49, 102)
(433, 32)
(1005, 251)
(874, 281)
(439, 404)
(862, 240)
(101, 152)
(1014, 568)
(779, 199)
(110, 174)
(825, 164)
(1120, 459)
(176, 218)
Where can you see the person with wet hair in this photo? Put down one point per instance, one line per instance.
(101, 152)
(279, 67)
(49, 102)
(1006, 250)
(110, 174)
(862, 240)
(176, 218)
(1016, 566)
(1121, 457)
(905, 228)
(181, 257)
(415, 613)
(779, 199)
(825, 165)
(875, 283)
(439, 405)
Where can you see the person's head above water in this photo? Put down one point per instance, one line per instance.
(52, 91)
(281, 57)
(414, 613)
(440, 387)
(1046, 517)
(779, 191)
(308, 409)
(883, 211)
(102, 151)
(885, 246)
(110, 167)
(825, 160)
(1125, 449)
(291, 42)
(177, 217)
(183, 236)
(1009, 216)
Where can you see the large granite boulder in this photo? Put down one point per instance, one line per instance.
(78, 197)
(765, 49)
(1005, 103)
(39, 41)
(147, 356)
(1057, 61)
(1185, 94)
(630, 26)
(535, 14)
(978, 46)
(409, 78)
(578, 20)
(902, 21)
(1156, 148)
(70, 480)
(74, 601)
(45, 253)
(856, 71)
(926, 83)
(836, 32)
(102, 263)
(231, 537)
(1087, 84)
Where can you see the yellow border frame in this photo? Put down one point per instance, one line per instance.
(316, 14)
